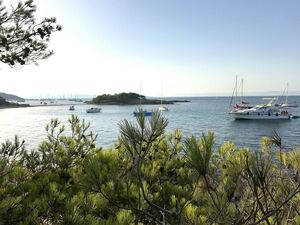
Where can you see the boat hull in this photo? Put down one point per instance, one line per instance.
(93, 110)
(146, 113)
(289, 105)
(241, 116)
(163, 108)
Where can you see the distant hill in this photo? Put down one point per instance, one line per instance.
(6, 104)
(3, 102)
(10, 97)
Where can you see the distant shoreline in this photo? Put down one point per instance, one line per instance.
(147, 102)
(14, 106)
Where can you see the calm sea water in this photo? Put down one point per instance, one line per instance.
(200, 115)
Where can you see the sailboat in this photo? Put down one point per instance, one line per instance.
(288, 104)
(162, 108)
(140, 111)
(242, 104)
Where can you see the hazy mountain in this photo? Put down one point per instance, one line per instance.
(10, 97)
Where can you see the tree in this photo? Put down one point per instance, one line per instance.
(22, 39)
(3, 102)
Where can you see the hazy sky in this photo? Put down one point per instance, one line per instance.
(193, 47)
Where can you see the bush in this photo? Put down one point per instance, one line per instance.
(149, 178)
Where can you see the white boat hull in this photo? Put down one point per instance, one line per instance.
(242, 116)
(289, 105)
(163, 108)
(93, 110)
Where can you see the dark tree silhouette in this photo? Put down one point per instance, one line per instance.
(22, 39)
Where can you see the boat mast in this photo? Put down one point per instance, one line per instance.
(236, 91)
(140, 94)
(287, 93)
(242, 89)
(161, 93)
(232, 96)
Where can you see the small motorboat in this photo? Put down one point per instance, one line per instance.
(72, 108)
(93, 110)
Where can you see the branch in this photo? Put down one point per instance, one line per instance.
(270, 213)
(139, 164)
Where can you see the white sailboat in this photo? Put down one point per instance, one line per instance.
(162, 108)
(288, 104)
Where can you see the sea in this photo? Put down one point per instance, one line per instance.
(198, 116)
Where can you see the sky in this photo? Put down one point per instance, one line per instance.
(189, 48)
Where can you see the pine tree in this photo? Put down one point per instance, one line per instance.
(23, 40)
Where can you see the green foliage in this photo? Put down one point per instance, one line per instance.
(199, 152)
(149, 178)
(22, 39)
(122, 98)
(3, 102)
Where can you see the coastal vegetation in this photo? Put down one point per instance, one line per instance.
(149, 177)
(3, 102)
(6, 104)
(122, 98)
(129, 99)
(10, 97)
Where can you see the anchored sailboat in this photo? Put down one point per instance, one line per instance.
(162, 108)
(288, 104)
(242, 104)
